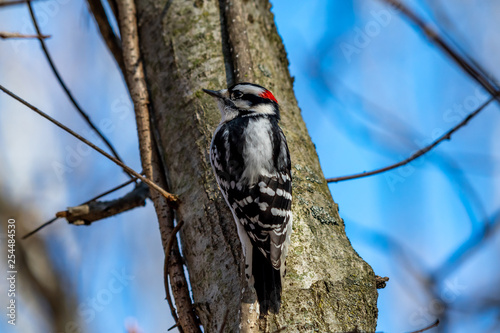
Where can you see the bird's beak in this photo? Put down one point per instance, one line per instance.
(214, 93)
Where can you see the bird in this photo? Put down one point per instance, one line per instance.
(251, 161)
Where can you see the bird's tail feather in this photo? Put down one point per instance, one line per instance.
(267, 283)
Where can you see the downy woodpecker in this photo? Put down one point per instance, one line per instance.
(251, 162)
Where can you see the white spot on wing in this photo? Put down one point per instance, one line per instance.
(278, 212)
(268, 190)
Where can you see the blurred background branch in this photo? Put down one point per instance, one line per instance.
(7, 35)
(67, 91)
(419, 153)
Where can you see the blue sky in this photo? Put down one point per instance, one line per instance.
(372, 91)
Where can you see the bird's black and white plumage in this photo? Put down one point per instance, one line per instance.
(251, 162)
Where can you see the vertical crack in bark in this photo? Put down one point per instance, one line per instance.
(239, 68)
(226, 47)
(234, 37)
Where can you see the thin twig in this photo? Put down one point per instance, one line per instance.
(419, 153)
(436, 323)
(434, 37)
(112, 41)
(173, 326)
(86, 202)
(12, 35)
(14, 2)
(170, 243)
(65, 88)
(39, 228)
(446, 21)
(88, 213)
(170, 197)
(116, 188)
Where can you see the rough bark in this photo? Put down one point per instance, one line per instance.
(154, 169)
(328, 287)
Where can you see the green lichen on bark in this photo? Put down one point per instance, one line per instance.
(328, 287)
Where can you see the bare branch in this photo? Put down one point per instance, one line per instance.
(68, 93)
(98, 210)
(170, 198)
(14, 2)
(433, 36)
(178, 282)
(134, 73)
(463, 63)
(419, 153)
(40, 227)
(436, 323)
(86, 202)
(112, 41)
(168, 249)
(11, 35)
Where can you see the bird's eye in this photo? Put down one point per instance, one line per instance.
(237, 94)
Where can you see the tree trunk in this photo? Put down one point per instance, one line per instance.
(185, 47)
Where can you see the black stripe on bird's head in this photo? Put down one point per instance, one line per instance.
(246, 99)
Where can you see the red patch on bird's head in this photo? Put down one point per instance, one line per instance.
(268, 95)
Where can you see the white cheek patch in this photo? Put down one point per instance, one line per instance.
(264, 109)
(242, 104)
